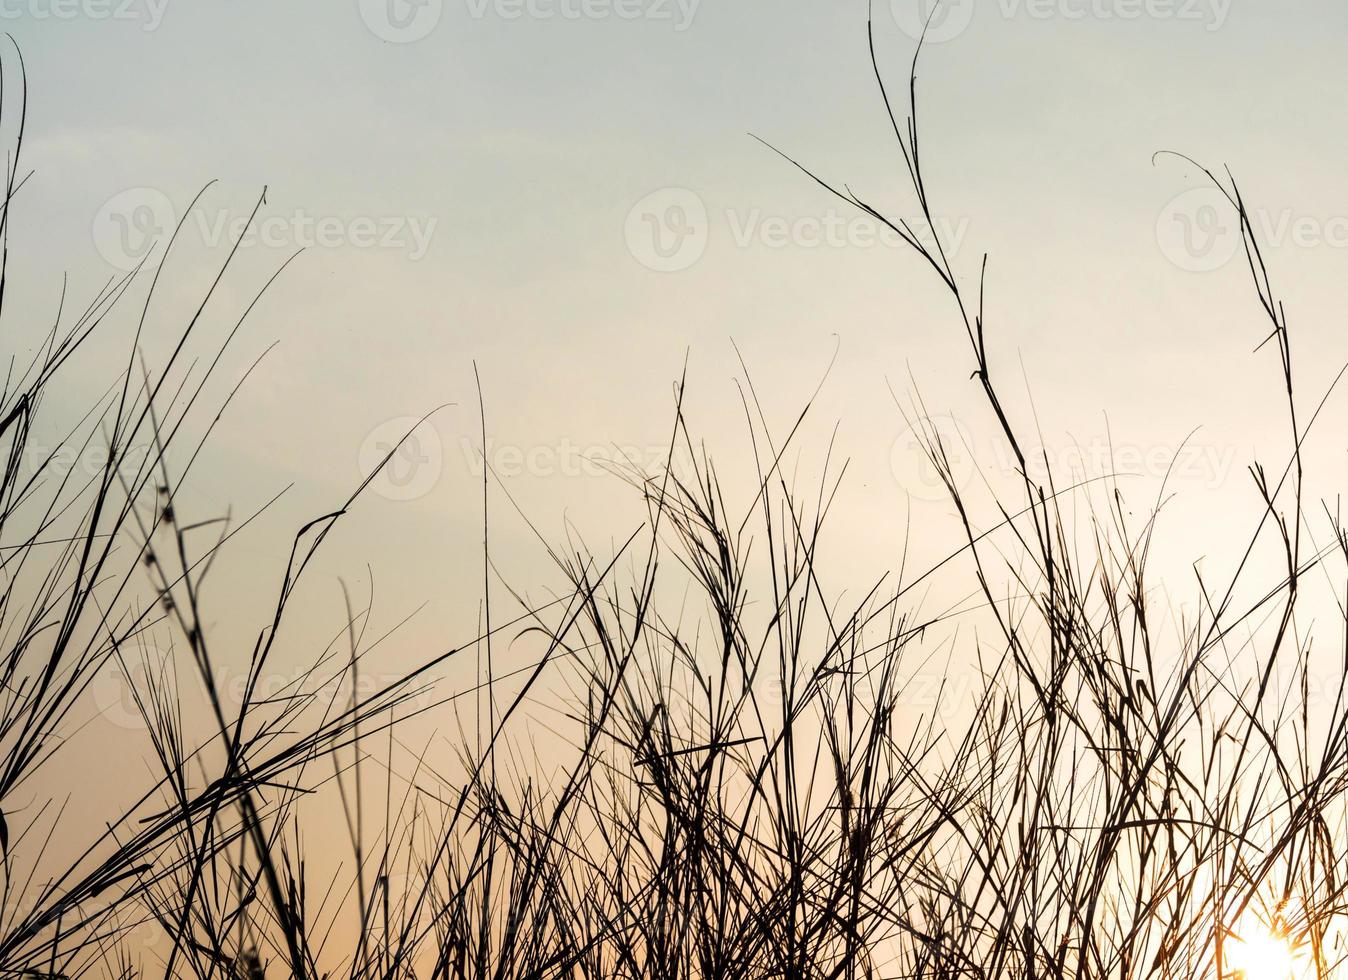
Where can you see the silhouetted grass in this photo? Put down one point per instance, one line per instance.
(743, 785)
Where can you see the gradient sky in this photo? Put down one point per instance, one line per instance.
(567, 193)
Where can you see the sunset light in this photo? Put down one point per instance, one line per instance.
(1259, 951)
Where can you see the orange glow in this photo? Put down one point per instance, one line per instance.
(1258, 951)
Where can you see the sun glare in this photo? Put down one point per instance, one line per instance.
(1261, 952)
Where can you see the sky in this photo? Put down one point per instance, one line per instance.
(566, 199)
